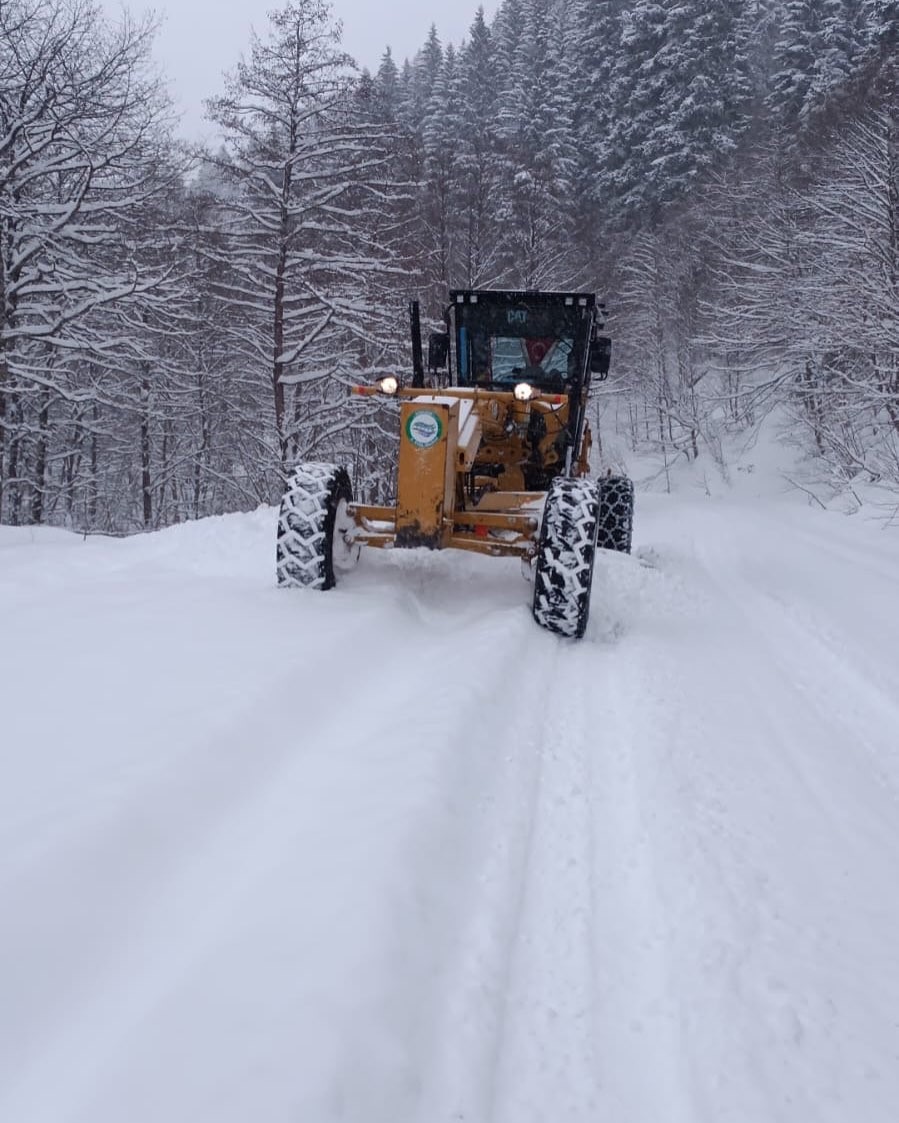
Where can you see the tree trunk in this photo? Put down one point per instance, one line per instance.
(3, 380)
(40, 461)
(93, 487)
(145, 451)
(14, 502)
(277, 364)
(200, 462)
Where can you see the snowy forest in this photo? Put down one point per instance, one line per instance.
(178, 326)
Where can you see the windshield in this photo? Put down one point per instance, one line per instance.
(502, 345)
(515, 359)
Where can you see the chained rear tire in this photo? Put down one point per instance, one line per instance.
(563, 574)
(309, 538)
(616, 514)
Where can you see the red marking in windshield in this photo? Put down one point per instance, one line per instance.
(537, 350)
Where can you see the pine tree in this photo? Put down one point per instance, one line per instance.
(816, 55)
(882, 18)
(535, 125)
(387, 88)
(594, 42)
(423, 74)
(507, 30)
(478, 154)
(441, 137)
(678, 103)
(758, 32)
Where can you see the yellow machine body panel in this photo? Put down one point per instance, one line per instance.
(447, 437)
(429, 431)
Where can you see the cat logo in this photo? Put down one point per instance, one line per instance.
(517, 316)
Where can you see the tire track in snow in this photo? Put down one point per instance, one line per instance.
(879, 563)
(544, 1061)
(831, 676)
(512, 1037)
(716, 959)
(798, 831)
(844, 602)
(654, 941)
(641, 1069)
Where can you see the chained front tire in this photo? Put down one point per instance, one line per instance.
(616, 513)
(314, 528)
(563, 573)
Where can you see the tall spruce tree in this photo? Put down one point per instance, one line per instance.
(882, 20)
(423, 73)
(441, 141)
(815, 57)
(478, 155)
(535, 126)
(678, 101)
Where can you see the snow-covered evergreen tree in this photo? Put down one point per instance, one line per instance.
(818, 48)
(479, 156)
(535, 124)
(678, 101)
(388, 88)
(441, 138)
(423, 73)
(882, 18)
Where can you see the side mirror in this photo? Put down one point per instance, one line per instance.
(600, 356)
(438, 350)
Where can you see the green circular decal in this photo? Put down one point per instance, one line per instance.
(424, 428)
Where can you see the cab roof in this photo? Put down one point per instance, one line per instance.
(532, 297)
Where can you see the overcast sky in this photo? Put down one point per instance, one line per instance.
(201, 38)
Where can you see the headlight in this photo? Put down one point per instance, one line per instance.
(388, 384)
(524, 391)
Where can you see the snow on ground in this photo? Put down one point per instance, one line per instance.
(394, 855)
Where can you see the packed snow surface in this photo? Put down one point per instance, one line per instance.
(392, 854)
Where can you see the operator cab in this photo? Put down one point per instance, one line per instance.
(547, 339)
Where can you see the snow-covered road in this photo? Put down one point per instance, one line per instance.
(394, 855)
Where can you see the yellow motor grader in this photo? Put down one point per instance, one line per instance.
(493, 456)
